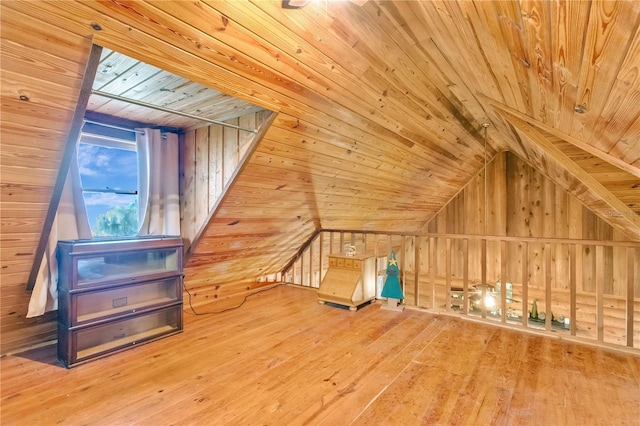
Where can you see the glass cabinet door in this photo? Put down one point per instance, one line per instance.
(93, 341)
(98, 304)
(93, 270)
(117, 293)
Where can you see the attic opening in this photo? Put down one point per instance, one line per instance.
(122, 98)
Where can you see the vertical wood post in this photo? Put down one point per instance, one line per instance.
(403, 264)
(503, 281)
(630, 296)
(447, 289)
(547, 286)
(432, 270)
(416, 263)
(321, 258)
(483, 265)
(600, 292)
(572, 289)
(293, 272)
(525, 284)
(376, 253)
(311, 264)
(301, 260)
(465, 276)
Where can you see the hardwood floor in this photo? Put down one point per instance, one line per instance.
(283, 359)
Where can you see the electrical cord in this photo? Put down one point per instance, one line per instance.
(227, 309)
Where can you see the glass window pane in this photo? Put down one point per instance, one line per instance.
(104, 170)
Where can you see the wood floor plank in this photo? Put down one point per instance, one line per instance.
(252, 347)
(281, 358)
(422, 378)
(352, 404)
(301, 359)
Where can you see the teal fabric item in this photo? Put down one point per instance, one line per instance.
(392, 287)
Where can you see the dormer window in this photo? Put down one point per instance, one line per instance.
(108, 165)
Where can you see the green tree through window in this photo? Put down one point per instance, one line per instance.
(117, 221)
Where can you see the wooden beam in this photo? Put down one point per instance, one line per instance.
(551, 161)
(503, 109)
(67, 156)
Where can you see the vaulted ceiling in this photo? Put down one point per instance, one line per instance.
(379, 106)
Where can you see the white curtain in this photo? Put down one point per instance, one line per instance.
(71, 223)
(158, 182)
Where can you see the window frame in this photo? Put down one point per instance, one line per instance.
(109, 136)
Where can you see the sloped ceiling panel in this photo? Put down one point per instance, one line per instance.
(131, 90)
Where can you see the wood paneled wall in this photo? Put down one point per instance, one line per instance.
(209, 157)
(42, 71)
(522, 202)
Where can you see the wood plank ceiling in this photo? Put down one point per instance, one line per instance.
(124, 86)
(379, 108)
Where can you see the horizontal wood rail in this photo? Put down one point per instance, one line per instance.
(498, 238)
(587, 289)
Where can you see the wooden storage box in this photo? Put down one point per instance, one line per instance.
(114, 294)
(350, 281)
